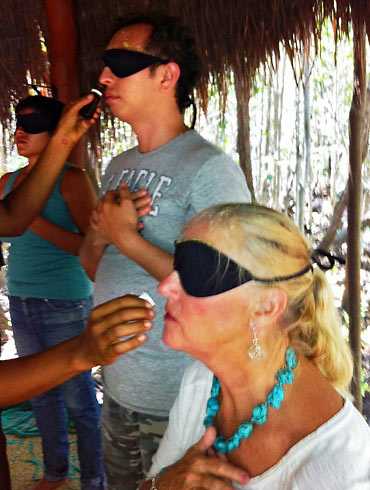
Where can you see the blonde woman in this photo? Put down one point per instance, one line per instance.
(266, 405)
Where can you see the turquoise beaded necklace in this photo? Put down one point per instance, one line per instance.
(274, 398)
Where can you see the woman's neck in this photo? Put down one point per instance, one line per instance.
(244, 384)
(308, 402)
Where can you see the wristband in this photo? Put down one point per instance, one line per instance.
(154, 483)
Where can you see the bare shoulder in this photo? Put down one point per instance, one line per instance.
(76, 186)
(73, 173)
(74, 178)
(3, 181)
(314, 399)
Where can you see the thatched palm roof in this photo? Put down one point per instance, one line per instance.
(233, 35)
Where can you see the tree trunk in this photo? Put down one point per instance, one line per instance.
(335, 221)
(258, 178)
(298, 171)
(242, 91)
(307, 139)
(343, 235)
(265, 180)
(268, 118)
(340, 206)
(356, 125)
(281, 106)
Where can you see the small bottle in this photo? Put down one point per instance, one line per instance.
(88, 110)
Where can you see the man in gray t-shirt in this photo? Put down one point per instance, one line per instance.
(151, 68)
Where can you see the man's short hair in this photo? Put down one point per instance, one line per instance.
(171, 40)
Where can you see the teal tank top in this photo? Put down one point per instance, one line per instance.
(38, 268)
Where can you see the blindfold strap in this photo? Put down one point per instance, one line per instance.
(325, 260)
(124, 62)
(34, 123)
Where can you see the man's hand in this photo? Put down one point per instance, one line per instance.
(116, 214)
(198, 470)
(101, 341)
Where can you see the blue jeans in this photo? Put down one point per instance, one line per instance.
(39, 324)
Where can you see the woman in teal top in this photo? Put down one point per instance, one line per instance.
(50, 296)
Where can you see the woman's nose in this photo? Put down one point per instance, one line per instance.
(170, 285)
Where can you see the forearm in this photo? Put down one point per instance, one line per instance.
(26, 377)
(66, 240)
(91, 252)
(156, 261)
(25, 203)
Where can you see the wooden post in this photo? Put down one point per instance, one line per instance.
(63, 59)
(242, 91)
(356, 128)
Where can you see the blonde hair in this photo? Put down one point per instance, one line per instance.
(269, 245)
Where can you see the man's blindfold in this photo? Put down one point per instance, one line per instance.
(123, 62)
(205, 271)
(34, 123)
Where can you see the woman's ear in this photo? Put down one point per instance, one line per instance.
(271, 306)
(170, 76)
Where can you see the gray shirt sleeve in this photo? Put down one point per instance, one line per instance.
(218, 180)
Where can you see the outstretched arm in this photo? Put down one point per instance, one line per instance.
(21, 206)
(99, 344)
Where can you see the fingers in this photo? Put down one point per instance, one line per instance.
(142, 201)
(110, 352)
(127, 345)
(137, 317)
(72, 125)
(217, 465)
(110, 197)
(207, 440)
(214, 470)
(144, 211)
(209, 482)
(109, 325)
(225, 470)
(136, 195)
(78, 104)
(123, 302)
(116, 335)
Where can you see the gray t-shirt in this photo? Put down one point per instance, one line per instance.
(185, 176)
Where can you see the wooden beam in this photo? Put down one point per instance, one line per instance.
(356, 123)
(63, 58)
(63, 49)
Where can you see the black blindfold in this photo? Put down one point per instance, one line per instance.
(34, 123)
(123, 62)
(205, 271)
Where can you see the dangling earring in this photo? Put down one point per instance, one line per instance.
(255, 351)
